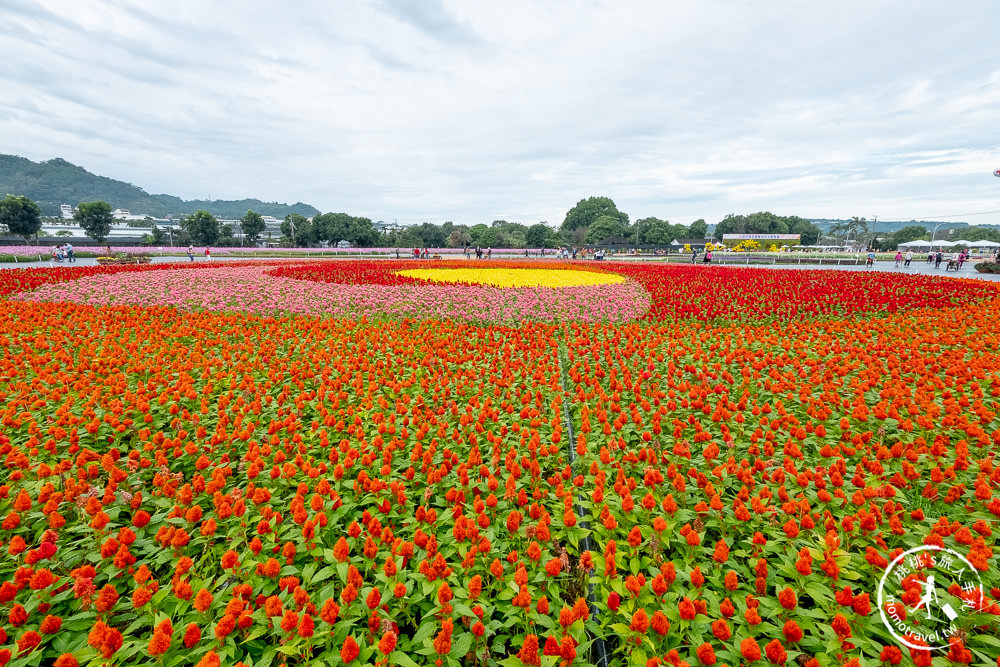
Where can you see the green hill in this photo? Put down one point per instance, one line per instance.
(55, 182)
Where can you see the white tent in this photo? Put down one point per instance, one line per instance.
(983, 244)
(929, 244)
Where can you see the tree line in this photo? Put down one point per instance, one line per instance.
(22, 217)
(591, 221)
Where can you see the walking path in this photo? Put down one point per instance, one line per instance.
(916, 267)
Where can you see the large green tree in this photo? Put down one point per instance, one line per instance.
(476, 232)
(458, 238)
(805, 229)
(202, 227)
(698, 229)
(537, 236)
(252, 224)
(20, 216)
(654, 231)
(95, 219)
(604, 227)
(974, 234)
(333, 227)
(298, 230)
(337, 227)
(587, 211)
(157, 235)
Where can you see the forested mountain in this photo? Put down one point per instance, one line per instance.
(55, 182)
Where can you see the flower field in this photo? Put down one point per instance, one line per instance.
(338, 463)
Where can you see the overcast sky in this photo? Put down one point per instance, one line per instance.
(434, 110)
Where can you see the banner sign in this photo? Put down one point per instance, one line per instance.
(761, 237)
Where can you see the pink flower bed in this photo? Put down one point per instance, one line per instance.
(251, 289)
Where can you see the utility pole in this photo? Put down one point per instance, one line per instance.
(934, 233)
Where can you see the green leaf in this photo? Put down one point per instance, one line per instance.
(462, 645)
(400, 658)
(424, 632)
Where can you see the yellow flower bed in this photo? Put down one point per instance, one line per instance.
(515, 277)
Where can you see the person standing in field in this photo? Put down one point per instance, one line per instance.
(908, 257)
(191, 252)
(208, 254)
(899, 257)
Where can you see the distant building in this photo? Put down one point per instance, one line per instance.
(121, 214)
(269, 219)
(67, 211)
(386, 227)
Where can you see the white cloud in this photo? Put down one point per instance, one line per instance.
(471, 111)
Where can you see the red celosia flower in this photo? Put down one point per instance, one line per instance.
(792, 631)
(203, 600)
(210, 659)
(721, 629)
(861, 604)
(841, 626)
(787, 598)
(106, 599)
(706, 654)
(50, 624)
(306, 626)
(329, 612)
(350, 650)
(640, 621)
(442, 642)
(529, 652)
(289, 620)
(159, 644)
(229, 560)
(41, 579)
(27, 642)
(749, 649)
(775, 652)
(374, 599)
(225, 626)
(192, 635)
(891, 655)
(387, 644)
(660, 623)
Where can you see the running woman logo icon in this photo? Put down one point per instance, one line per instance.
(923, 595)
